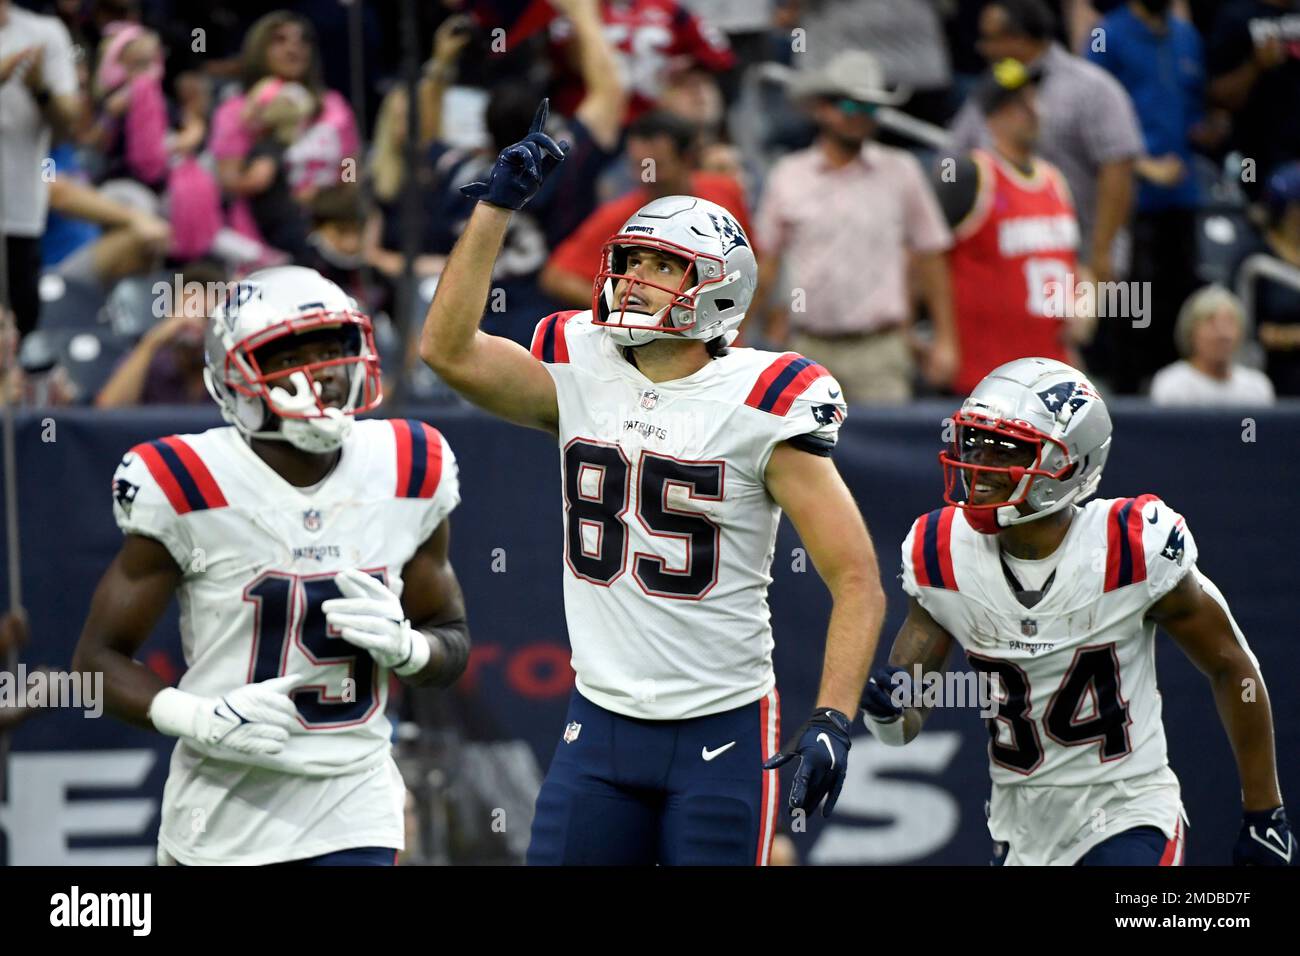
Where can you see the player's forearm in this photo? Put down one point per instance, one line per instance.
(449, 646)
(851, 642)
(129, 686)
(458, 304)
(1248, 720)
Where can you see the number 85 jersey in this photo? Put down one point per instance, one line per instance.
(669, 528)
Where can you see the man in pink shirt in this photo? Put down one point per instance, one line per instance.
(847, 219)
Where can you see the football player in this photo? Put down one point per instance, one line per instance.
(678, 455)
(309, 554)
(1056, 602)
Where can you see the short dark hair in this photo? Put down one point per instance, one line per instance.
(683, 133)
(1028, 18)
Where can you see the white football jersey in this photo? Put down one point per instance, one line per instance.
(1078, 731)
(669, 528)
(258, 557)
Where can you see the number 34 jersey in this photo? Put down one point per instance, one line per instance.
(259, 557)
(1077, 702)
(669, 528)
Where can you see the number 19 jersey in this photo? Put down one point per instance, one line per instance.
(669, 528)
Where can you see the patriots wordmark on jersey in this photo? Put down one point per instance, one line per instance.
(669, 528)
(1077, 747)
(258, 557)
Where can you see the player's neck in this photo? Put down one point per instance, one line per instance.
(663, 360)
(302, 469)
(1036, 539)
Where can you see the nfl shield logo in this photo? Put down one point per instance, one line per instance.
(649, 399)
(311, 519)
(571, 732)
(1028, 627)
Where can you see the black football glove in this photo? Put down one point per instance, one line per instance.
(822, 746)
(521, 168)
(1265, 839)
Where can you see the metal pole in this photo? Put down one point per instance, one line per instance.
(12, 555)
(406, 297)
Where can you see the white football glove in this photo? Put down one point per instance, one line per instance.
(370, 616)
(253, 719)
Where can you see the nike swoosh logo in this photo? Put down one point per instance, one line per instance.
(833, 394)
(708, 754)
(1155, 516)
(1281, 849)
(827, 741)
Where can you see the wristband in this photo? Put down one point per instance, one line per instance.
(889, 732)
(418, 656)
(174, 712)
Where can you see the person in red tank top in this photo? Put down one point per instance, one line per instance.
(1013, 266)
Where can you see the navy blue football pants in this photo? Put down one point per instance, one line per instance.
(624, 791)
(1140, 846)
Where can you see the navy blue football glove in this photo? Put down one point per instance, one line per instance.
(878, 696)
(521, 168)
(822, 746)
(1265, 839)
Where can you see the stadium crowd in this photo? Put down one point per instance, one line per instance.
(932, 187)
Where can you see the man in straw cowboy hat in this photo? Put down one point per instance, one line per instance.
(847, 264)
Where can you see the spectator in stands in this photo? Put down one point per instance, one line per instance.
(1211, 328)
(1089, 130)
(1254, 64)
(132, 239)
(166, 366)
(569, 194)
(282, 45)
(276, 113)
(1261, 279)
(1014, 260)
(1157, 57)
(133, 128)
(335, 247)
(847, 217)
(38, 97)
(652, 40)
(662, 153)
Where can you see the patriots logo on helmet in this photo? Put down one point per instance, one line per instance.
(124, 494)
(826, 414)
(1173, 549)
(1074, 394)
(729, 232)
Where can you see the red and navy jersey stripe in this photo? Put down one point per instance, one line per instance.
(782, 382)
(549, 343)
(932, 549)
(419, 458)
(181, 474)
(1126, 561)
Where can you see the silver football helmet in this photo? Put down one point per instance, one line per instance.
(1042, 425)
(262, 309)
(716, 289)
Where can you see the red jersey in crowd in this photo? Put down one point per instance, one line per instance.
(579, 254)
(1013, 267)
(651, 38)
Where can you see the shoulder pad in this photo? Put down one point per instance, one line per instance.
(178, 472)
(419, 458)
(927, 551)
(1146, 540)
(549, 342)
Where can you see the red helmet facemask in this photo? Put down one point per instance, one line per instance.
(1001, 437)
(355, 329)
(613, 261)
